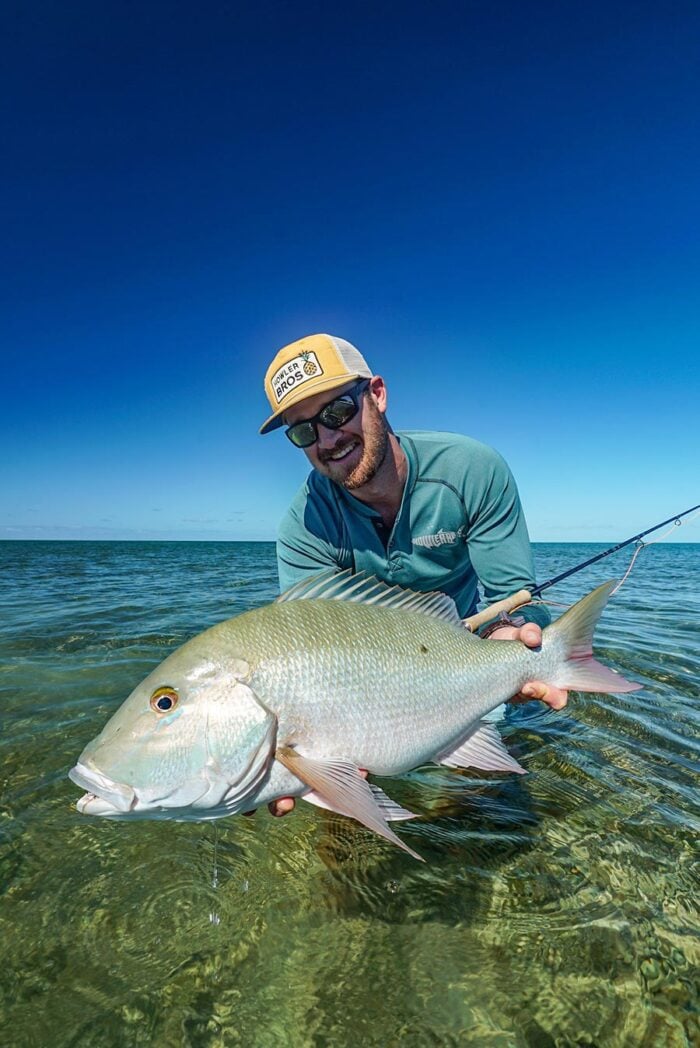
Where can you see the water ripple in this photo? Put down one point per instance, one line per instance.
(554, 908)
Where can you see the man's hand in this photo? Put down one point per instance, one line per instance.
(283, 805)
(531, 635)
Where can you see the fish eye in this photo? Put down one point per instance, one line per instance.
(163, 700)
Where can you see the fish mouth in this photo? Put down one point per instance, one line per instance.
(104, 796)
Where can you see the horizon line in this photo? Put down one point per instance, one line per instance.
(271, 542)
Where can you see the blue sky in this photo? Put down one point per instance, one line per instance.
(497, 203)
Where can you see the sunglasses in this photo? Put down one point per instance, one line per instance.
(332, 416)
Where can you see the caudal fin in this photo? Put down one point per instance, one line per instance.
(573, 634)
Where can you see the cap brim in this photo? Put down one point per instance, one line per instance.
(309, 389)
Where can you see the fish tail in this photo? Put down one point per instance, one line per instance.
(573, 636)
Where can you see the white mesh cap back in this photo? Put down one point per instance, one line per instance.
(351, 357)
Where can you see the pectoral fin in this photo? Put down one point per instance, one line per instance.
(483, 748)
(337, 785)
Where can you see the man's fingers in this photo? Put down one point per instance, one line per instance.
(282, 806)
(534, 690)
(531, 634)
(554, 697)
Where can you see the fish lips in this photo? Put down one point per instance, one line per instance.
(104, 796)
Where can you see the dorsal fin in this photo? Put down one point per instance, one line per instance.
(367, 589)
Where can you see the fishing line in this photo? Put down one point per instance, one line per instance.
(678, 523)
(214, 917)
(675, 521)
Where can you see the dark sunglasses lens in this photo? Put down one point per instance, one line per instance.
(332, 416)
(337, 413)
(303, 434)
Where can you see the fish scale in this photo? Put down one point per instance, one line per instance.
(291, 699)
(355, 680)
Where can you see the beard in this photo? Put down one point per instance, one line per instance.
(375, 439)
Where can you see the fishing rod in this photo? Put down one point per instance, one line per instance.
(613, 549)
(525, 596)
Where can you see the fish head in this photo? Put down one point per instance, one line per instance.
(191, 740)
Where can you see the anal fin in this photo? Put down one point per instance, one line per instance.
(336, 784)
(391, 811)
(483, 748)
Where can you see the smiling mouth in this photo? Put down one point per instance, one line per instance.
(341, 453)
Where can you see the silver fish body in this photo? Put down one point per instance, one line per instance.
(293, 697)
(383, 688)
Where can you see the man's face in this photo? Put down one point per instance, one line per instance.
(351, 455)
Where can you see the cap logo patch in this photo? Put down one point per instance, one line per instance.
(295, 372)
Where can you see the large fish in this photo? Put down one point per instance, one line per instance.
(342, 672)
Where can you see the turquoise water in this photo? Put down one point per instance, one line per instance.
(559, 908)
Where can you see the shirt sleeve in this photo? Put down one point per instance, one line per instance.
(305, 541)
(497, 537)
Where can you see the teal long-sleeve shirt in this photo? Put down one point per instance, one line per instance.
(460, 524)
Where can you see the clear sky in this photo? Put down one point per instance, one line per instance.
(499, 204)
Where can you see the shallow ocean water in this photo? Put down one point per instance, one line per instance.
(557, 908)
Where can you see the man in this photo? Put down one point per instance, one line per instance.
(428, 511)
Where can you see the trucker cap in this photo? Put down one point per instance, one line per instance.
(308, 366)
